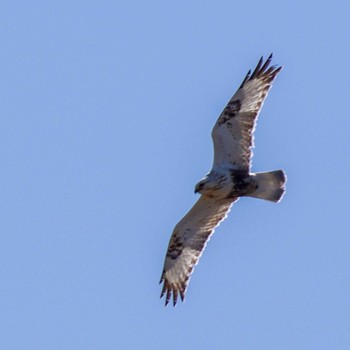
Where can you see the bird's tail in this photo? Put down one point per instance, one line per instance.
(269, 185)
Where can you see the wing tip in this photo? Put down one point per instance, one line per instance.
(172, 291)
(263, 70)
(247, 77)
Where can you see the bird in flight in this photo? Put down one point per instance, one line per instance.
(229, 179)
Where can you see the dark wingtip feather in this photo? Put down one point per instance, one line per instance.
(246, 78)
(257, 69)
(266, 64)
(163, 291)
(175, 292)
(172, 291)
(277, 70)
(182, 295)
(162, 277)
(168, 297)
(263, 70)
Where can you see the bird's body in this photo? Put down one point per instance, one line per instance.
(218, 183)
(229, 179)
(230, 182)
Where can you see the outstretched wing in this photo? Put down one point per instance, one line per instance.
(187, 243)
(233, 132)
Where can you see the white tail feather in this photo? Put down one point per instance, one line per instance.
(269, 185)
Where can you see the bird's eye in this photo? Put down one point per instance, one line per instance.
(199, 187)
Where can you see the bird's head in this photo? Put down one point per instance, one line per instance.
(201, 185)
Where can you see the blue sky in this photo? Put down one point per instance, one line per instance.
(106, 114)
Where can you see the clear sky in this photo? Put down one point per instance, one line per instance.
(106, 113)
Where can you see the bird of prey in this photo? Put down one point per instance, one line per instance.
(229, 179)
